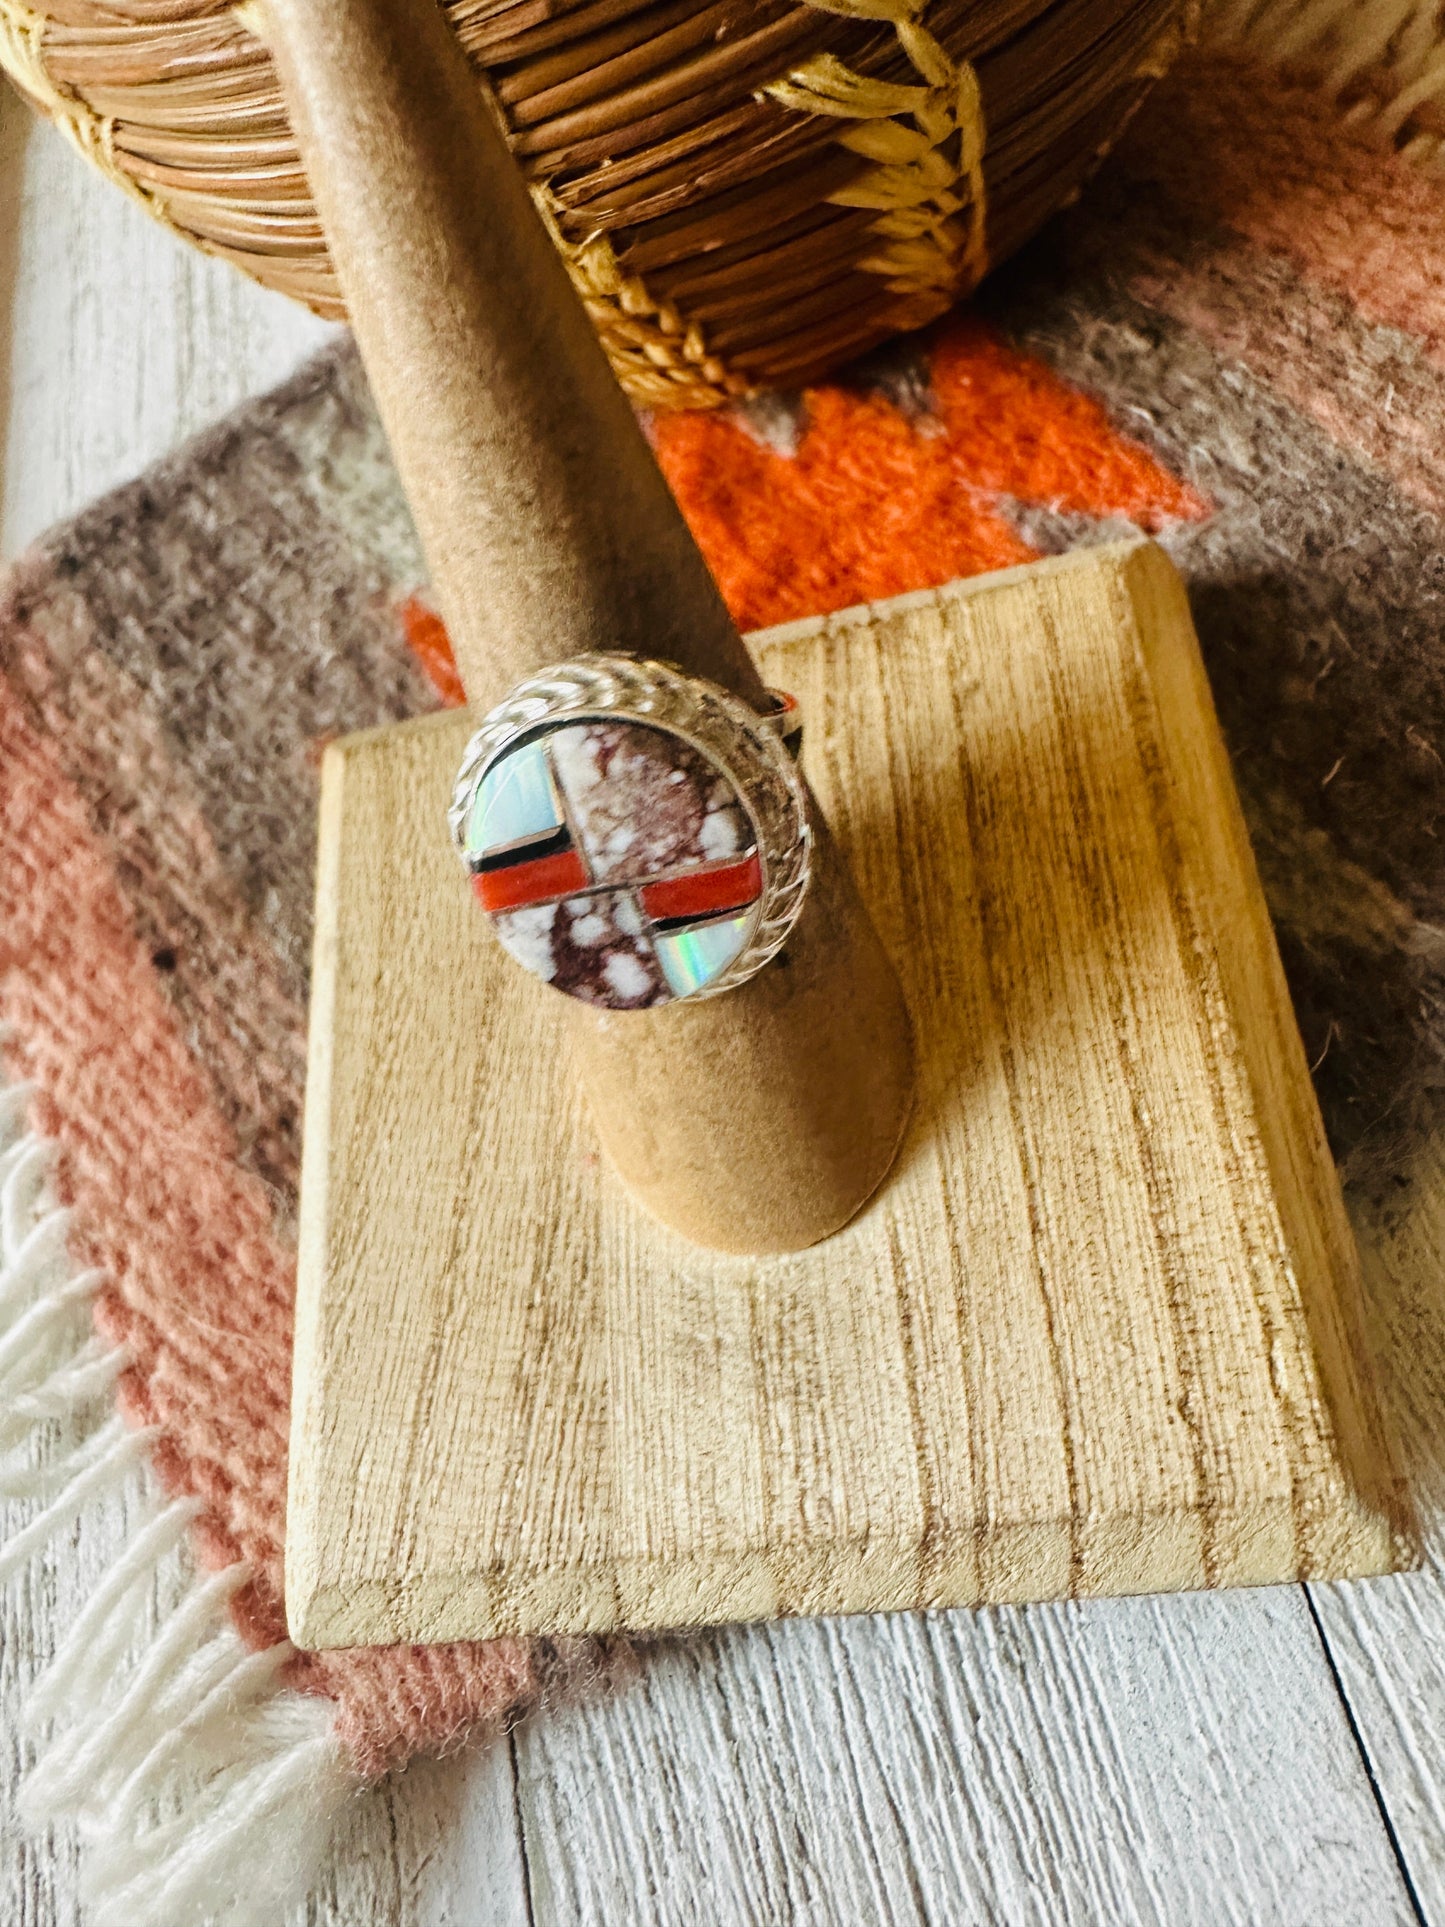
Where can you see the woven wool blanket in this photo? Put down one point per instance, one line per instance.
(1236, 342)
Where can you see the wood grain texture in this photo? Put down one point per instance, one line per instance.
(1161, 1761)
(437, 1845)
(121, 341)
(1096, 1335)
(1387, 1642)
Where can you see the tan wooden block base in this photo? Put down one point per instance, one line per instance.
(1098, 1333)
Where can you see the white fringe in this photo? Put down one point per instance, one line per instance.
(203, 1789)
(1398, 46)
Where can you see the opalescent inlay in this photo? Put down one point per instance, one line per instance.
(616, 861)
(692, 958)
(516, 801)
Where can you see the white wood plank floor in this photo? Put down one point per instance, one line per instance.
(1269, 1757)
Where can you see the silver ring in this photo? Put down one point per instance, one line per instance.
(636, 835)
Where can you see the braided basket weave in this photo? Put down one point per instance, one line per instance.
(747, 192)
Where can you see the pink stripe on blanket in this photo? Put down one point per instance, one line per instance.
(198, 1286)
(1363, 386)
(1285, 172)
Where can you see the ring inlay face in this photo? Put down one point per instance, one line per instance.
(615, 861)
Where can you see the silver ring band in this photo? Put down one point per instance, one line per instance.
(785, 718)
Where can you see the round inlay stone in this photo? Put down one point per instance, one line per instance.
(616, 858)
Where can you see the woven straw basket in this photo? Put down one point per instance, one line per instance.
(747, 192)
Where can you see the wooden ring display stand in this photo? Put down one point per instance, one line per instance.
(759, 1121)
(1099, 1329)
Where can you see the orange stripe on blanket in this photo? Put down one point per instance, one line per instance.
(867, 508)
(1012, 428)
(873, 504)
(430, 644)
